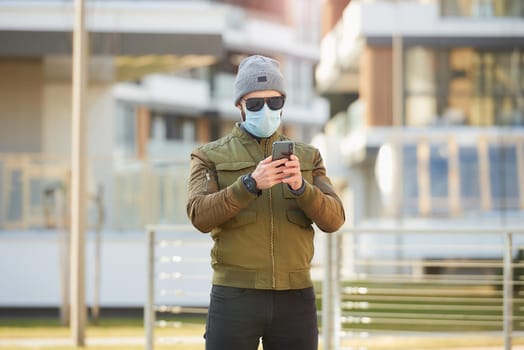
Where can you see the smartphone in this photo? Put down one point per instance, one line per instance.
(283, 149)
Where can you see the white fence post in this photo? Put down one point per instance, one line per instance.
(508, 291)
(331, 294)
(149, 308)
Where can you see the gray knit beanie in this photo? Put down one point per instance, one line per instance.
(257, 73)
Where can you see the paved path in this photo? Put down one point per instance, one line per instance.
(115, 341)
(107, 341)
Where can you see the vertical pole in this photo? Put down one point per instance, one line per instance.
(327, 295)
(508, 291)
(78, 161)
(143, 126)
(62, 201)
(337, 265)
(149, 309)
(95, 309)
(397, 47)
(330, 295)
(398, 80)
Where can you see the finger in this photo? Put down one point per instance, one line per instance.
(270, 181)
(262, 165)
(292, 164)
(291, 178)
(267, 160)
(292, 173)
(279, 162)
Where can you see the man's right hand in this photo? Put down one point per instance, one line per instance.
(268, 173)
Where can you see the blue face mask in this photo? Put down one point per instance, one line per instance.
(262, 123)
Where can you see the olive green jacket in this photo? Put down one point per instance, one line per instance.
(266, 241)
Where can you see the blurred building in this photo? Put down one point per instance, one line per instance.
(160, 82)
(429, 107)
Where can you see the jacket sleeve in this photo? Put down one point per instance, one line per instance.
(319, 200)
(207, 206)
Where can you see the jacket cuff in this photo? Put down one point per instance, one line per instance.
(301, 189)
(308, 196)
(240, 193)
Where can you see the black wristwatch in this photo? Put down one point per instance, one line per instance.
(251, 184)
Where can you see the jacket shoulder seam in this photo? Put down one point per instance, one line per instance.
(218, 143)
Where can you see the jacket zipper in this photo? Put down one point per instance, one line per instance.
(272, 237)
(206, 179)
(271, 226)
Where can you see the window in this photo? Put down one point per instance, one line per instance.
(469, 178)
(126, 128)
(482, 8)
(410, 179)
(503, 176)
(464, 86)
(180, 128)
(441, 180)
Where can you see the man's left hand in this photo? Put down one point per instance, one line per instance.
(292, 168)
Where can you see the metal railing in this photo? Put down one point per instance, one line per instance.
(400, 281)
(181, 288)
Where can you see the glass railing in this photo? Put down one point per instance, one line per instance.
(126, 195)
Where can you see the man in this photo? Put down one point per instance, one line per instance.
(259, 212)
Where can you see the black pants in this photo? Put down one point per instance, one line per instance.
(238, 318)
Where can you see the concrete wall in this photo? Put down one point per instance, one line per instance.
(36, 107)
(376, 93)
(20, 105)
(30, 266)
(57, 107)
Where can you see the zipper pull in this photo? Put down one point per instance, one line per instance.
(206, 175)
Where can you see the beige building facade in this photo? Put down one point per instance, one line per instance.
(427, 104)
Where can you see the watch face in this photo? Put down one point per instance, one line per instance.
(250, 183)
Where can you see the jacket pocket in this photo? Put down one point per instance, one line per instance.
(242, 218)
(228, 173)
(307, 171)
(298, 217)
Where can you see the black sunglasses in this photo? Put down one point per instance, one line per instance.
(255, 104)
